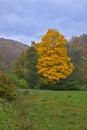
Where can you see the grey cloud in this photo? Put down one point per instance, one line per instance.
(31, 18)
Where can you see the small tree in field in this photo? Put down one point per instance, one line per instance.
(53, 62)
(7, 87)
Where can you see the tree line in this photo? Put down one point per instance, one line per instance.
(53, 63)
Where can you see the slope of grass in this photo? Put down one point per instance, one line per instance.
(46, 110)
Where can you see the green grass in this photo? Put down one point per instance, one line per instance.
(46, 110)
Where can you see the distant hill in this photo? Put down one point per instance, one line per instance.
(9, 52)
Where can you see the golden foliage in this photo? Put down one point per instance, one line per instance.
(53, 62)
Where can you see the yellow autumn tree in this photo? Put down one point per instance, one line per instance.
(53, 63)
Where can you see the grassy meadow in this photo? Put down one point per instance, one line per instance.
(45, 110)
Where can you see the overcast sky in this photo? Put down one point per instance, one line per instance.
(26, 20)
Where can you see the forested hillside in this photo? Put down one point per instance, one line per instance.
(77, 49)
(78, 52)
(9, 52)
(50, 56)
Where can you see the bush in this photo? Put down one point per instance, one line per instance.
(67, 84)
(23, 84)
(14, 79)
(7, 87)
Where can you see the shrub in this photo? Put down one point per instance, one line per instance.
(7, 87)
(23, 83)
